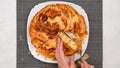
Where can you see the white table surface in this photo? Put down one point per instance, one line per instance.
(111, 32)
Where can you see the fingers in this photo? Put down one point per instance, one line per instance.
(84, 64)
(59, 50)
(71, 59)
(61, 45)
(71, 63)
(62, 62)
(91, 66)
(58, 43)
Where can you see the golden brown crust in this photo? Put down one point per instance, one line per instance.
(52, 19)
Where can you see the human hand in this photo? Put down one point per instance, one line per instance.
(62, 62)
(84, 64)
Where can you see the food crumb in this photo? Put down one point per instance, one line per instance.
(22, 59)
(33, 61)
(20, 37)
(29, 52)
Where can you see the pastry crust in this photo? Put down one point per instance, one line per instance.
(52, 19)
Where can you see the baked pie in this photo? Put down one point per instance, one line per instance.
(52, 22)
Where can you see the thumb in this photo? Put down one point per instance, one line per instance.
(61, 45)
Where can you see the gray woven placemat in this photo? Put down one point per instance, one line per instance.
(94, 49)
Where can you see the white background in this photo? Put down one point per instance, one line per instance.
(111, 32)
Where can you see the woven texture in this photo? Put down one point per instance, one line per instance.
(94, 49)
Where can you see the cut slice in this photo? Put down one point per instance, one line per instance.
(70, 43)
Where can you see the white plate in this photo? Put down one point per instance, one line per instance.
(36, 9)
